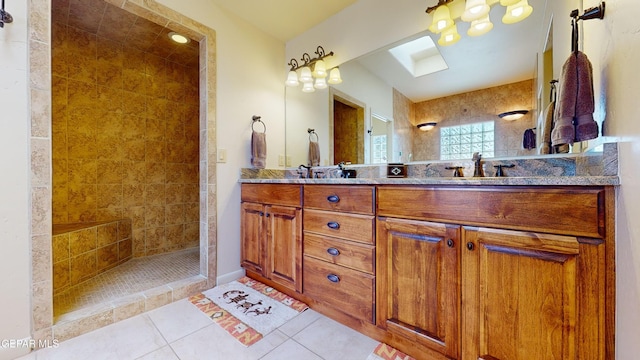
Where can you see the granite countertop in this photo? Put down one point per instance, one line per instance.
(466, 181)
(594, 169)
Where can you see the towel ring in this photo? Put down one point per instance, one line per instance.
(311, 133)
(256, 119)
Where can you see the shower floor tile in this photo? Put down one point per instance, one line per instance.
(134, 276)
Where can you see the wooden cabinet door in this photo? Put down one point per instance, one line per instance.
(284, 241)
(418, 282)
(531, 296)
(253, 241)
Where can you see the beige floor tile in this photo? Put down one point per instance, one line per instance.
(179, 319)
(332, 340)
(128, 339)
(291, 350)
(165, 353)
(299, 322)
(213, 342)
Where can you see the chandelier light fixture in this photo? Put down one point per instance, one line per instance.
(475, 12)
(313, 72)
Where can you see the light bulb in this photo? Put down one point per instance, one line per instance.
(441, 20)
(334, 76)
(450, 36)
(292, 79)
(475, 9)
(321, 83)
(517, 12)
(308, 87)
(480, 26)
(305, 74)
(319, 70)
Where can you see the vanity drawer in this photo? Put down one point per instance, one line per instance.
(275, 194)
(576, 211)
(347, 198)
(349, 291)
(345, 226)
(340, 252)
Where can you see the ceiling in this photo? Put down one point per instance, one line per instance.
(103, 19)
(505, 55)
(284, 19)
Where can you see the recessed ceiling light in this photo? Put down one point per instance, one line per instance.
(179, 38)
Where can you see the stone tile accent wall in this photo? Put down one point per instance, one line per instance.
(472, 107)
(80, 253)
(125, 137)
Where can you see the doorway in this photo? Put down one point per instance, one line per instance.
(348, 131)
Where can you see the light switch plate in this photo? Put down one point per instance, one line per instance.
(222, 155)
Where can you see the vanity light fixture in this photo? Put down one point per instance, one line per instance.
(179, 38)
(477, 13)
(427, 126)
(312, 69)
(513, 115)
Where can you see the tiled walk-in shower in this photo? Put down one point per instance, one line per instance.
(133, 277)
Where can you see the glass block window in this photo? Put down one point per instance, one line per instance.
(379, 149)
(460, 142)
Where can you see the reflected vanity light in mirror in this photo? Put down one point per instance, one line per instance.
(517, 12)
(307, 75)
(426, 126)
(512, 115)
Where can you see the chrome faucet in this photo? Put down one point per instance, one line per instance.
(478, 171)
(309, 172)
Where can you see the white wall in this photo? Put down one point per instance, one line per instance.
(250, 81)
(613, 46)
(15, 264)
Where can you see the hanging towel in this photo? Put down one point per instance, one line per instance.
(586, 126)
(574, 110)
(314, 153)
(545, 127)
(258, 150)
(529, 139)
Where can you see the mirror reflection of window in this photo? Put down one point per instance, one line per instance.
(381, 135)
(460, 142)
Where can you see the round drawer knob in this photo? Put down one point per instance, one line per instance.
(333, 198)
(333, 225)
(333, 251)
(333, 278)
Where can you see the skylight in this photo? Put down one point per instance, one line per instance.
(420, 56)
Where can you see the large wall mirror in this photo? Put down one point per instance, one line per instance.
(371, 116)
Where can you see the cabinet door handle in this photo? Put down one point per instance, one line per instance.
(470, 246)
(333, 251)
(333, 278)
(333, 198)
(450, 243)
(261, 213)
(268, 214)
(333, 225)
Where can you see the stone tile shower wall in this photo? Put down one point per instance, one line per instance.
(125, 131)
(472, 107)
(82, 251)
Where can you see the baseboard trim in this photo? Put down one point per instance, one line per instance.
(229, 277)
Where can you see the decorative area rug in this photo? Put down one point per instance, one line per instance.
(247, 309)
(386, 352)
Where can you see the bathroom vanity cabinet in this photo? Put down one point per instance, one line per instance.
(525, 272)
(454, 271)
(271, 233)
